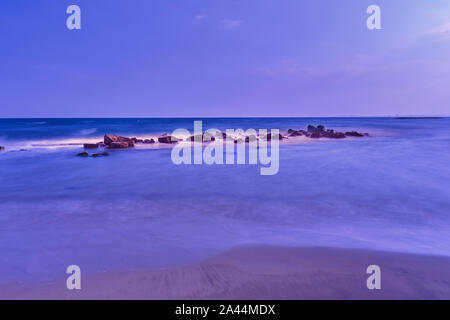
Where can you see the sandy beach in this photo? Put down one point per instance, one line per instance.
(265, 272)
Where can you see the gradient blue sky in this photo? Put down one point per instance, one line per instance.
(192, 58)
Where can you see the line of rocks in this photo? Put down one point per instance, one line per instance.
(112, 141)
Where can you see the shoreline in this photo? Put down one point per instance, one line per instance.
(264, 272)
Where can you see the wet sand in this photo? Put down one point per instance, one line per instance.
(265, 272)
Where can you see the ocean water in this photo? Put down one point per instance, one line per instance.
(136, 209)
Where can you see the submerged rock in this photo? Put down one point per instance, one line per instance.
(103, 154)
(147, 141)
(83, 154)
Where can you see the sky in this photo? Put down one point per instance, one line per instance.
(224, 58)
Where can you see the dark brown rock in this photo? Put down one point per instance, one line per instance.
(83, 154)
(109, 139)
(119, 145)
(165, 138)
(2, 148)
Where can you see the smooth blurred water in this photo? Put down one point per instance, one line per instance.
(135, 209)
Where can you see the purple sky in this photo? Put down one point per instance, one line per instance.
(192, 58)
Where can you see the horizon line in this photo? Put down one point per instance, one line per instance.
(236, 117)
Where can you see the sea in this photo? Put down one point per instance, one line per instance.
(135, 209)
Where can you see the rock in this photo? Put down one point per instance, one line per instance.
(2, 148)
(195, 138)
(101, 145)
(165, 138)
(269, 137)
(136, 140)
(83, 154)
(321, 132)
(338, 135)
(320, 128)
(109, 139)
(298, 133)
(103, 154)
(91, 145)
(354, 134)
(147, 141)
(250, 138)
(207, 137)
(118, 145)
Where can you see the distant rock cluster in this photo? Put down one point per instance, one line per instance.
(321, 132)
(112, 141)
